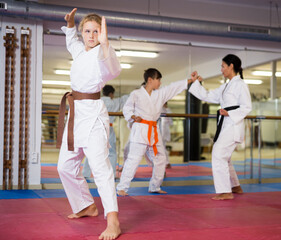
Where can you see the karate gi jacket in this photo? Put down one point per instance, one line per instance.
(165, 124)
(89, 73)
(114, 105)
(149, 108)
(235, 92)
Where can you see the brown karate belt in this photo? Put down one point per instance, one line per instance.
(71, 96)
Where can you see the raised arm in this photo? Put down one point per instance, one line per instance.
(102, 37)
(69, 18)
(74, 46)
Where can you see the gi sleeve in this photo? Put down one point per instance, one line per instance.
(123, 100)
(73, 44)
(129, 108)
(173, 89)
(245, 103)
(201, 93)
(110, 67)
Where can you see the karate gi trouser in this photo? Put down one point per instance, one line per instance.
(74, 183)
(86, 171)
(166, 152)
(146, 155)
(136, 153)
(112, 156)
(224, 173)
(112, 149)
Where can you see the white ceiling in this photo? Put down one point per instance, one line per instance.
(176, 57)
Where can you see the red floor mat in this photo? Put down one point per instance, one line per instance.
(193, 217)
(146, 172)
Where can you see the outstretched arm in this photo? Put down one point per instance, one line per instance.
(195, 76)
(201, 93)
(69, 18)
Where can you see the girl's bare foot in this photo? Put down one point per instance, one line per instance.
(112, 230)
(160, 192)
(90, 211)
(223, 196)
(237, 189)
(122, 193)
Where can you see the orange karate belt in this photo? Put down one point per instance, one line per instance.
(150, 125)
(71, 96)
(111, 124)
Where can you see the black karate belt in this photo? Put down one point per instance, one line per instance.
(219, 122)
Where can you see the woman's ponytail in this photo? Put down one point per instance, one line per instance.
(241, 73)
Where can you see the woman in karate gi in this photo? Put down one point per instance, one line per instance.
(143, 108)
(94, 63)
(235, 100)
(113, 105)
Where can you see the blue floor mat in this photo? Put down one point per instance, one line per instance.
(138, 191)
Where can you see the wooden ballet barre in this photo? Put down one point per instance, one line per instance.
(183, 115)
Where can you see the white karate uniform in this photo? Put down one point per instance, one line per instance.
(89, 73)
(165, 123)
(148, 107)
(126, 153)
(235, 92)
(112, 105)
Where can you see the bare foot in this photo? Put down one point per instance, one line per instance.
(122, 193)
(160, 192)
(169, 165)
(237, 189)
(112, 230)
(223, 196)
(90, 211)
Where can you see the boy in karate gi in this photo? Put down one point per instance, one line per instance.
(143, 109)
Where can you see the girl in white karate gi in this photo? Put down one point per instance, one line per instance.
(233, 94)
(94, 63)
(143, 108)
(113, 105)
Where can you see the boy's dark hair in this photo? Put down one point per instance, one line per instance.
(151, 72)
(107, 89)
(236, 61)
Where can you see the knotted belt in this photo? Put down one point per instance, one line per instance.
(71, 96)
(219, 122)
(150, 125)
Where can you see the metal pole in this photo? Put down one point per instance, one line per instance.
(259, 140)
(273, 81)
(252, 146)
(245, 149)
(276, 131)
